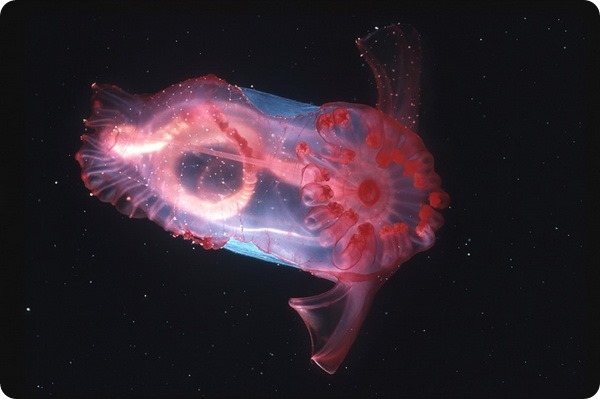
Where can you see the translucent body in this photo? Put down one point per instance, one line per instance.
(344, 191)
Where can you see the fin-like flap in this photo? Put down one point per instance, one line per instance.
(333, 319)
(113, 106)
(394, 55)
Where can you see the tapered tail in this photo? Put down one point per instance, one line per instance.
(333, 319)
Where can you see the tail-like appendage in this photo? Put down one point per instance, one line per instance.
(333, 319)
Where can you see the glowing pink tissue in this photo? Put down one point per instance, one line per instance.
(344, 191)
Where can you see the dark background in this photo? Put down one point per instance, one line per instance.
(499, 306)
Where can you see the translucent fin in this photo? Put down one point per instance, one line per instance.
(112, 106)
(394, 55)
(333, 319)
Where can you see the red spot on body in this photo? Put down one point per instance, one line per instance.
(341, 117)
(373, 139)
(439, 199)
(369, 192)
(325, 122)
(302, 150)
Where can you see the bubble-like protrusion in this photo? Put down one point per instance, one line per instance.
(314, 194)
